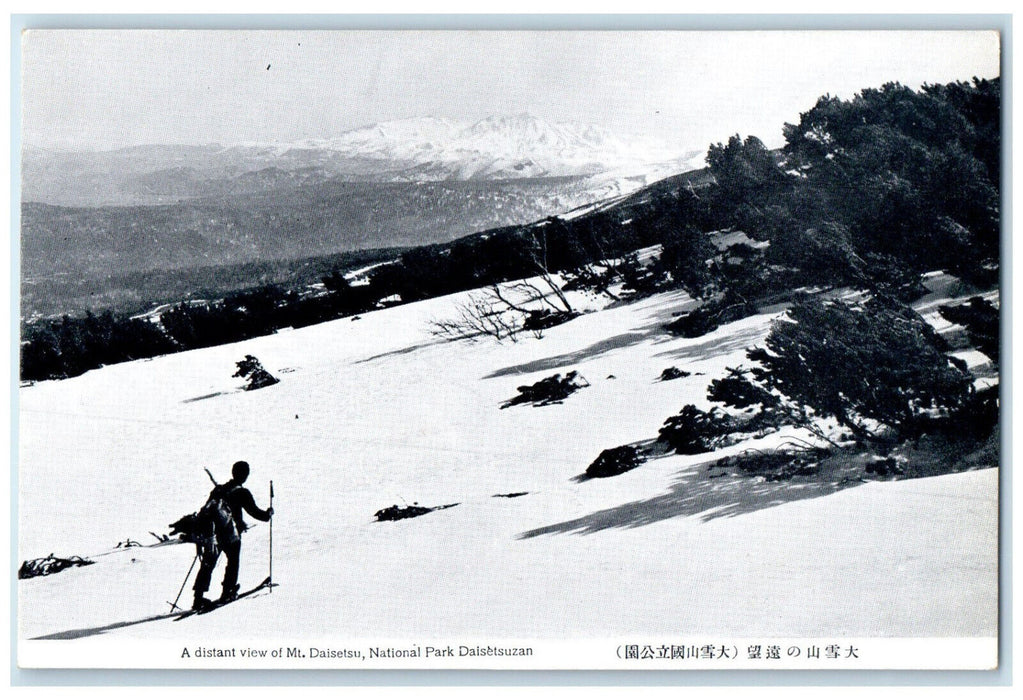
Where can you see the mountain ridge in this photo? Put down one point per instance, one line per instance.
(421, 149)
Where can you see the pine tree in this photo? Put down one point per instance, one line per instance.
(875, 367)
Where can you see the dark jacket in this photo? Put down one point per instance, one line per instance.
(238, 499)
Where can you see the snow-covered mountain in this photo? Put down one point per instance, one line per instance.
(399, 183)
(498, 147)
(426, 149)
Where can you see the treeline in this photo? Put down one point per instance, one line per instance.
(69, 346)
(134, 292)
(869, 192)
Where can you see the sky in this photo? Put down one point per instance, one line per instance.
(102, 89)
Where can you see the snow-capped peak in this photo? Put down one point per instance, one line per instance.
(496, 147)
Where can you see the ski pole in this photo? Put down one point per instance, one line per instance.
(271, 577)
(175, 603)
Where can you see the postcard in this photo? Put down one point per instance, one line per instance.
(509, 349)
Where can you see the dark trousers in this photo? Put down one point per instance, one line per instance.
(208, 556)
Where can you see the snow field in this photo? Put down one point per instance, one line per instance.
(377, 412)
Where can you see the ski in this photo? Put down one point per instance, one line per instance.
(266, 584)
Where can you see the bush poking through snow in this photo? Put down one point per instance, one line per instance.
(693, 431)
(541, 319)
(397, 512)
(776, 465)
(250, 368)
(614, 461)
(709, 317)
(49, 565)
(673, 373)
(736, 390)
(553, 389)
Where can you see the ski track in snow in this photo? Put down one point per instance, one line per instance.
(378, 412)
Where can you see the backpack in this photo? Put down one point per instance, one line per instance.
(203, 526)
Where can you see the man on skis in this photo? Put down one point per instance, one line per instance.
(224, 511)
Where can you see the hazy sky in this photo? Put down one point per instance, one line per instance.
(105, 89)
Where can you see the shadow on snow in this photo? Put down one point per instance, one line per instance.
(700, 493)
(723, 341)
(93, 631)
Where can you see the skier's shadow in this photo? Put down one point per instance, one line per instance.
(93, 631)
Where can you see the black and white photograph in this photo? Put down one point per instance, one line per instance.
(561, 349)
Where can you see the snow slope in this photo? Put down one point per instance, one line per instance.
(376, 412)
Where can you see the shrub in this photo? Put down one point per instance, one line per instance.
(695, 323)
(873, 367)
(397, 512)
(693, 431)
(684, 256)
(614, 461)
(588, 279)
(709, 317)
(553, 389)
(252, 369)
(776, 465)
(884, 466)
(542, 319)
(640, 279)
(736, 390)
(981, 320)
(673, 373)
(68, 347)
(885, 274)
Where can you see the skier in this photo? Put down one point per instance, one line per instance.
(224, 510)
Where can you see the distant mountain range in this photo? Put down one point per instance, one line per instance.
(424, 149)
(94, 215)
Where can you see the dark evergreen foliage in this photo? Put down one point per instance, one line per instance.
(871, 366)
(738, 391)
(70, 346)
(775, 465)
(553, 389)
(912, 175)
(684, 256)
(981, 320)
(693, 431)
(884, 466)
(639, 279)
(745, 172)
(614, 461)
(252, 370)
(884, 274)
(670, 373)
(710, 316)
